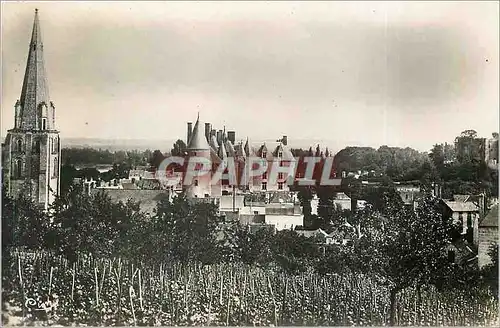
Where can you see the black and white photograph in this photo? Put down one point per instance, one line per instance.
(250, 163)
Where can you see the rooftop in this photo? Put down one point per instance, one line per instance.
(491, 219)
(461, 206)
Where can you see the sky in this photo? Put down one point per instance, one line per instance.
(354, 73)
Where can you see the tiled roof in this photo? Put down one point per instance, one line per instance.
(491, 219)
(129, 186)
(198, 140)
(272, 149)
(461, 198)
(311, 233)
(462, 206)
(341, 195)
(147, 199)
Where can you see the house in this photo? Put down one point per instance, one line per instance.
(342, 200)
(284, 216)
(408, 193)
(466, 216)
(488, 235)
(228, 203)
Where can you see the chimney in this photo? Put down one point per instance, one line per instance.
(231, 136)
(219, 136)
(190, 131)
(285, 140)
(208, 128)
(213, 132)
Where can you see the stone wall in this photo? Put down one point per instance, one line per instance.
(487, 237)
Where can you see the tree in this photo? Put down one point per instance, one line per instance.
(179, 148)
(490, 271)
(68, 174)
(305, 196)
(472, 134)
(326, 207)
(294, 253)
(437, 155)
(156, 158)
(404, 247)
(83, 223)
(253, 247)
(187, 231)
(24, 223)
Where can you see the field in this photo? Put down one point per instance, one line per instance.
(113, 292)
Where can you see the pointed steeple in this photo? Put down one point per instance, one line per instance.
(247, 148)
(198, 140)
(36, 111)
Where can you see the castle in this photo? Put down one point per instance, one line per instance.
(31, 152)
(217, 146)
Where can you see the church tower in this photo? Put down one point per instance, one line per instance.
(198, 147)
(31, 152)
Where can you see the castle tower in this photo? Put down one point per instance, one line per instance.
(198, 147)
(31, 152)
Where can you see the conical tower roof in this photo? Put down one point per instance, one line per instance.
(222, 151)
(213, 143)
(198, 140)
(35, 90)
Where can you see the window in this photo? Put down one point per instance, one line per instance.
(19, 144)
(451, 256)
(280, 185)
(281, 175)
(44, 123)
(196, 183)
(264, 154)
(280, 154)
(54, 145)
(264, 175)
(469, 220)
(56, 167)
(36, 146)
(264, 185)
(18, 168)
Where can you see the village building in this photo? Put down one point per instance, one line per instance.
(409, 193)
(466, 215)
(342, 201)
(488, 235)
(31, 151)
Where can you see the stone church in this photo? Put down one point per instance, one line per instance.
(31, 152)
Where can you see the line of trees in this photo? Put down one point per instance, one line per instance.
(397, 246)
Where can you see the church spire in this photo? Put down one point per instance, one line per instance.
(36, 110)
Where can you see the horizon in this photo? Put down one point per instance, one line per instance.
(396, 74)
